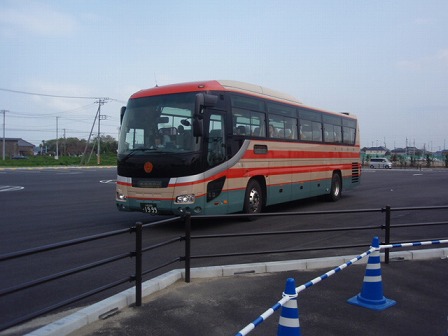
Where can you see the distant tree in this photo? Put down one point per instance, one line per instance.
(75, 147)
(428, 160)
(402, 161)
(108, 144)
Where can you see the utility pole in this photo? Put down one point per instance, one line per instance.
(64, 149)
(4, 139)
(406, 147)
(56, 157)
(101, 117)
(100, 102)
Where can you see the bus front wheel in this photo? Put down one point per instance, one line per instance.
(253, 199)
(336, 188)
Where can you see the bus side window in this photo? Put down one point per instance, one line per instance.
(306, 131)
(329, 133)
(241, 130)
(280, 133)
(349, 135)
(272, 131)
(256, 131)
(317, 131)
(338, 134)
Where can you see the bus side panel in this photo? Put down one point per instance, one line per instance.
(279, 182)
(219, 204)
(236, 197)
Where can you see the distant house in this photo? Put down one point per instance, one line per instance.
(375, 151)
(408, 151)
(15, 147)
(399, 151)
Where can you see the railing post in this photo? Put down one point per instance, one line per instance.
(387, 234)
(138, 263)
(187, 219)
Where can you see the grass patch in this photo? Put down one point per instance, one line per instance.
(45, 161)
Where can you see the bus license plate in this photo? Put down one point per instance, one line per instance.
(150, 208)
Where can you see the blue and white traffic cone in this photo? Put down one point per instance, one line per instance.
(371, 295)
(288, 324)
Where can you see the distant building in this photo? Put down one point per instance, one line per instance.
(408, 151)
(399, 151)
(375, 151)
(15, 147)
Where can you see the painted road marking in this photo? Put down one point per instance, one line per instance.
(10, 188)
(108, 181)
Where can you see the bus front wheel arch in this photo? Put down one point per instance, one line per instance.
(336, 187)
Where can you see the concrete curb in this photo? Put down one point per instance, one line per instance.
(111, 305)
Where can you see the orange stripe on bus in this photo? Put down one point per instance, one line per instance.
(245, 172)
(289, 154)
(265, 171)
(126, 184)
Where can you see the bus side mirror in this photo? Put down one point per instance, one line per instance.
(198, 128)
(202, 100)
(122, 111)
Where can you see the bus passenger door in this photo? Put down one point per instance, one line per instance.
(216, 187)
(215, 141)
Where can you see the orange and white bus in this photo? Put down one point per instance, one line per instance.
(218, 147)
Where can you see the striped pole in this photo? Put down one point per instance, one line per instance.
(371, 295)
(288, 324)
(423, 243)
(263, 317)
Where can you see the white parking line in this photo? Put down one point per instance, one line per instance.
(10, 188)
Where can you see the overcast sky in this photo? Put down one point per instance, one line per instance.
(385, 61)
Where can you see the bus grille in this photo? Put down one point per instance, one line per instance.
(355, 172)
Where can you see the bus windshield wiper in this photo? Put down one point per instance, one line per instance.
(141, 149)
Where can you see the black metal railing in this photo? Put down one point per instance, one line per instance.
(187, 239)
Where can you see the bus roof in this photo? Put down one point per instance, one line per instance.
(218, 85)
(226, 85)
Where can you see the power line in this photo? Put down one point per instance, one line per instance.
(59, 96)
(77, 117)
(48, 95)
(74, 118)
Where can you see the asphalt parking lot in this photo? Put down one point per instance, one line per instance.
(224, 305)
(380, 187)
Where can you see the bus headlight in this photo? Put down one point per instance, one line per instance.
(185, 199)
(121, 197)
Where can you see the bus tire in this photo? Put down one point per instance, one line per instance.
(253, 199)
(336, 188)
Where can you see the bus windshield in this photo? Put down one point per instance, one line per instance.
(158, 124)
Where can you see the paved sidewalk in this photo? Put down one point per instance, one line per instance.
(223, 300)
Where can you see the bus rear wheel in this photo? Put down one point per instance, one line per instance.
(253, 199)
(336, 188)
